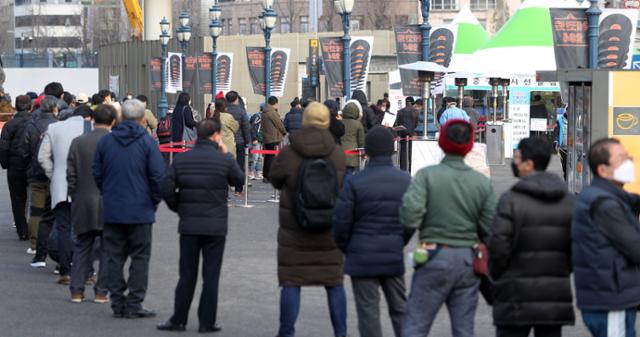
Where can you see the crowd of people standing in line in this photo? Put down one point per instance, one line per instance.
(96, 178)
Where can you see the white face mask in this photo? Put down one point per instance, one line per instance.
(625, 173)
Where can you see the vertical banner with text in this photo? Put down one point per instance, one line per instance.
(225, 65)
(408, 39)
(570, 40)
(155, 73)
(332, 55)
(278, 76)
(255, 61)
(189, 73)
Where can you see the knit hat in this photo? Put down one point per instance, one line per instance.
(316, 115)
(378, 142)
(458, 141)
(220, 95)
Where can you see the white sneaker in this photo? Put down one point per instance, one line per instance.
(38, 264)
(31, 251)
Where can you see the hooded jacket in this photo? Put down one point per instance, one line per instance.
(305, 258)
(128, 169)
(11, 140)
(273, 129)
(293, 120)
(243, 136)
(530, 253)
(353, 131)
(33, 134)
(369, 117)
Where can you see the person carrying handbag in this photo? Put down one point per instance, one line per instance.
(182, 122)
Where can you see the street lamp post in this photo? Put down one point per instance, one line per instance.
(593, 14)
(425, 28)
(163, 106)
(344, 8)
(215, 28)
(268, 22)
(183, 33)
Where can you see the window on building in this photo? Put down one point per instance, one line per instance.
(285, 25)
(482, 4)
(242, 26)
(355, 25)
(304, 24)
(229, 26)
(253, 28)
(323, 25)
(444, 4)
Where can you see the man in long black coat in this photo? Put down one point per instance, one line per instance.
(86, 208)
(530, 249)
(196, 187)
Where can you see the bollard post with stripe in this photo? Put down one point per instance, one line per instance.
(246, 179)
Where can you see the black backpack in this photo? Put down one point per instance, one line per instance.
(316, 194)
(164, 130)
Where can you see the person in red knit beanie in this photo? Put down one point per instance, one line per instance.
(456, 140)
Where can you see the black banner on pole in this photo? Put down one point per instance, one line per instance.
(255, 60)
(155, 73)
(189, 73)
(570, 38)
(408, 48)
(204, 73)
(332, 55)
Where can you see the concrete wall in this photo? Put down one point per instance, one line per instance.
(75, 80)
(130, 61)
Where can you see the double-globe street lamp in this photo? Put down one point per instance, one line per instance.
(268, 22)
(344, 8)
(183, 33)
(163, 105)
(215, 28)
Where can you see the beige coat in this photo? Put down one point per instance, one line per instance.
(229, 128)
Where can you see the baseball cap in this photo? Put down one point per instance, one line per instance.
(82, 98)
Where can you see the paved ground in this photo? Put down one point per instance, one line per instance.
(33, 305)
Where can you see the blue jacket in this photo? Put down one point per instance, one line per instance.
(293, 120)
(243, 136)
(366, 223)
(129, 169)
(606, 260)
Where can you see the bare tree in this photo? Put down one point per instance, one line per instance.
(500, 15)
(290, 10)
(378, 14)
(329, 13)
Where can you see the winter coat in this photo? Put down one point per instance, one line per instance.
(33, 135)
(606, 260)
(293, 120)
(467, 106)
(407, 117)
(151, 121)
(182, 115)
(305, 258)
(336, 127)
(366, 223)
(128, 169)
(54, 151)
(539, 110)
(230, 128)
(353, 136)
(273, 130)
(243, 136)
(197, 186)
(369, 117)
(530, 253)
(11, 142)
(86, 201)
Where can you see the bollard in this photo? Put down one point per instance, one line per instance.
(246, 179)
(407, 148)
(276, 196)
(359, 161)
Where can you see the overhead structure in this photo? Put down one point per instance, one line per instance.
(470, 37)
(524, 45)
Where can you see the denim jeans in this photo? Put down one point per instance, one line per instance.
(290, 307)
(611, 323)
(447, 278)
(255, 160)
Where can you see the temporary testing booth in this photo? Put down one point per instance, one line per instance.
(601, 104)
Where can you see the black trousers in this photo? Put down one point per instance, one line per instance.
(405, 154)
(82, 268)
(121, 242)
(63, 227)
(523, 331)
(212, 248)
(17, 181)
(268, 159)
(240, 160)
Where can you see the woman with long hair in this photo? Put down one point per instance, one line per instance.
(182, 117)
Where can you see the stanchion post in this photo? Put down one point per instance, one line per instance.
(359, 160)
(407, 148)
(276, 197)
(246, 178)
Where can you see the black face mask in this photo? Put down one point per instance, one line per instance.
(514, 169)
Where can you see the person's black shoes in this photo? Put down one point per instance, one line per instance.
(142, 313)
(170, 326)
(214, 328)
(118, 314)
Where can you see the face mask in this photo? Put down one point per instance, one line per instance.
(625, 173)
(514, 169)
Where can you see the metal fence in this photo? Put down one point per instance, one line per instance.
(50, 60)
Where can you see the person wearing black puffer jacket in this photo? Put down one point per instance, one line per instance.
(196, 187)
(367, 229)
(369, 117)
(293, 119)
(11, 159)
(530, 249)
